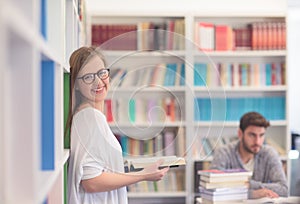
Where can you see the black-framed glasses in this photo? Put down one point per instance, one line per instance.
(90, 77)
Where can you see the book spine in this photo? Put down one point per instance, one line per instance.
(47, 115)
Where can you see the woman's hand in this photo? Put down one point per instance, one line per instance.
(108, 181)
(153, 173)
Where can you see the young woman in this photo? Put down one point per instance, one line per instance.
(96, 169)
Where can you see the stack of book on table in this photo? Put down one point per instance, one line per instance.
(223, 186)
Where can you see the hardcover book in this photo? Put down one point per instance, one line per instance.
(136, 164)
(225, 172)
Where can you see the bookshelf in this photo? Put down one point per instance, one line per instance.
(215, 12)
(228, 102)
(37, 37)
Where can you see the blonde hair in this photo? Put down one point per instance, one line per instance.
(78, 59)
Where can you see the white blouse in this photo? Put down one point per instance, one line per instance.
(94, 149)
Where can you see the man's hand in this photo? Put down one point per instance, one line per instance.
(264, 192)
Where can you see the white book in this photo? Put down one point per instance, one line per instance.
(237, 196)
(139, 163)
(224, 179)
(224, 173)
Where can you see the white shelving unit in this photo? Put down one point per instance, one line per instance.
(193, 11)
(32, 33)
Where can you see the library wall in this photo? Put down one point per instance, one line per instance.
(220, 84)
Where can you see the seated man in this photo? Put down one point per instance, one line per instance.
(250, 153)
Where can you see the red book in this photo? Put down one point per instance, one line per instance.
(264, 36)
(254, 42)
(96, 36)
(279, 36)
(108, 108)
(259, 36)
(223, 38)
(283, 27)
(270, 36)
(170, 34)
(115, 37)
(273, 74)
(243, 38)
(274, 31)
(283, 79)
(170, 109)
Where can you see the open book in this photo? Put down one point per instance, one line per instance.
(136, 164)
(265, 200)
(291, 200)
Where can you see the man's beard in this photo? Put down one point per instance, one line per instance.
(247, 148)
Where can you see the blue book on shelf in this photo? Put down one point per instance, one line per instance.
(262, 106)
(172, 72)
(268, 107)
(124, 144)
(268, 74)
(132, 112)
(196, 109)
(43, 22)
(279, 108)
(228, 109)
(47, 115)
(205, 109)
(218, 109)
(182, 78)
(233, 110)
(167, 76)
(200, 74)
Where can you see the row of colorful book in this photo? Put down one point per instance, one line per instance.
(173, 181)
(231, 109)
(239, 74)
(146, 36)
(170, 74)
(205, 74)
(223, 186)
(165, 143)
(141, 110)
(267, 35)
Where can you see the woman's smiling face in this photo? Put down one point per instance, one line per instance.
(96, 91)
